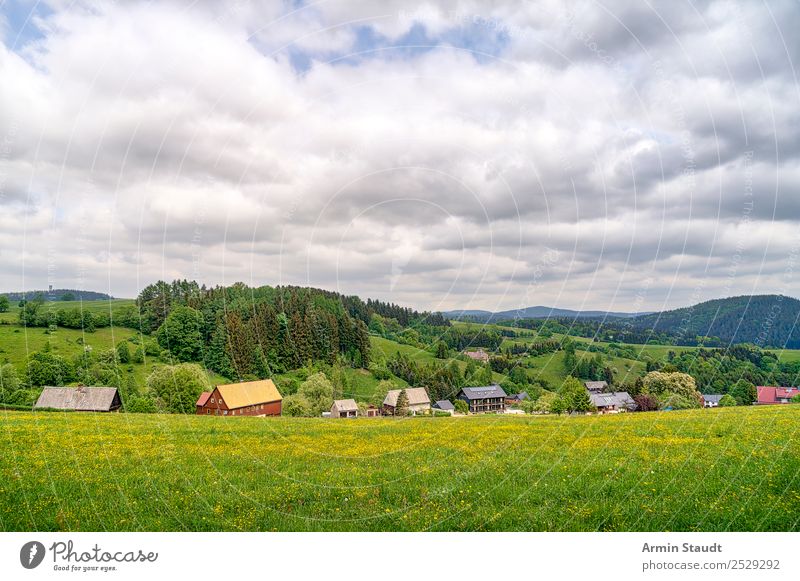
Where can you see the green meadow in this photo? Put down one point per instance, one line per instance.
(733, 469)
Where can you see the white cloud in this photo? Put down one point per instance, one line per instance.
(150, 141)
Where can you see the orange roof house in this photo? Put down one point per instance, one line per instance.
(248, 398)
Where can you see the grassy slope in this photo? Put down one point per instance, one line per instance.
(17, 342)
(388, 348)
(720, 469)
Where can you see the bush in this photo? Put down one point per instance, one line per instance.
(296, 405)
(727, 400)
(140, 404)
(178, 386)
(9, 383)
(461, 406)
(318, 390)
(646, 402)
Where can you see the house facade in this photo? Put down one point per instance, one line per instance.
(418, 400)
(489, 398)
(595, 386)
(711, 400)
(517, 398)
(80, 399)
(612, 403)
(344, 408)
(249, 398)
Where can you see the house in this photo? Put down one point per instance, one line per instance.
(80, 399)
(418, 400)
(444, 406)
(248, 398)
(711, 400)
(371, 412)
(612, 403)
(595, 386)
(489, 398)
(768, 395)
(480, 355)
(517, 398)
(344, 408)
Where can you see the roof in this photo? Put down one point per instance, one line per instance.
(444, 405)
(595, 385)
(712, 397)
(203, 398)
(416, 396)
(85, 399)
(345, 405)
(483, 392)
(618, 399)
(239, 395)
(770, 394)
(520, 396)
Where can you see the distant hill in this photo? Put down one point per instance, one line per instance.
(766, 320)
(58, 294)
(538, 312)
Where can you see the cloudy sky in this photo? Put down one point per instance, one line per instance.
(465, 154)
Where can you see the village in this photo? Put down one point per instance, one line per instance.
(262, 398)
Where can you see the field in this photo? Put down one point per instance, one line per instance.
(713, 470)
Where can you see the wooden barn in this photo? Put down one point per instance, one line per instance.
(418, 400)
(248, 398)
(80, 399)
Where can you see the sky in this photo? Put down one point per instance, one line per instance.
(624, 156)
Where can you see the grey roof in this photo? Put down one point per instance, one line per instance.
(84, 399)
(595, 385)
(483, 392)
(618, 399)
(712, 397)
(444, 405)
(520, 396)
(345, 405)
(416, 396)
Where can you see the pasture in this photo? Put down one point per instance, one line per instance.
(699, 470)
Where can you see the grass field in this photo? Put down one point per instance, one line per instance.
(715, 470)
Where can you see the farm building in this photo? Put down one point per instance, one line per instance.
(418, 400)
(344, 408)
(517, 398)
(768, 395)
(612, 403)
(371, 412)
(249, 398)
(711, 400)
(444, 406)
(595, 386)
(80, 399)
(479, 355)
(489, 398)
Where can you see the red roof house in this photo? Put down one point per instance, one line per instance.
(768, 395)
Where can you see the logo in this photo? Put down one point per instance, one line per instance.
(31, 554)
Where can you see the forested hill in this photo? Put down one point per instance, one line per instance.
(243, 331)
(765, 320)
(59, 294)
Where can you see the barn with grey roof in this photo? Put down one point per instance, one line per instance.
(80, 399)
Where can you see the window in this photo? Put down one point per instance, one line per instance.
(212, 400)
(208, 412)
(224, 412)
